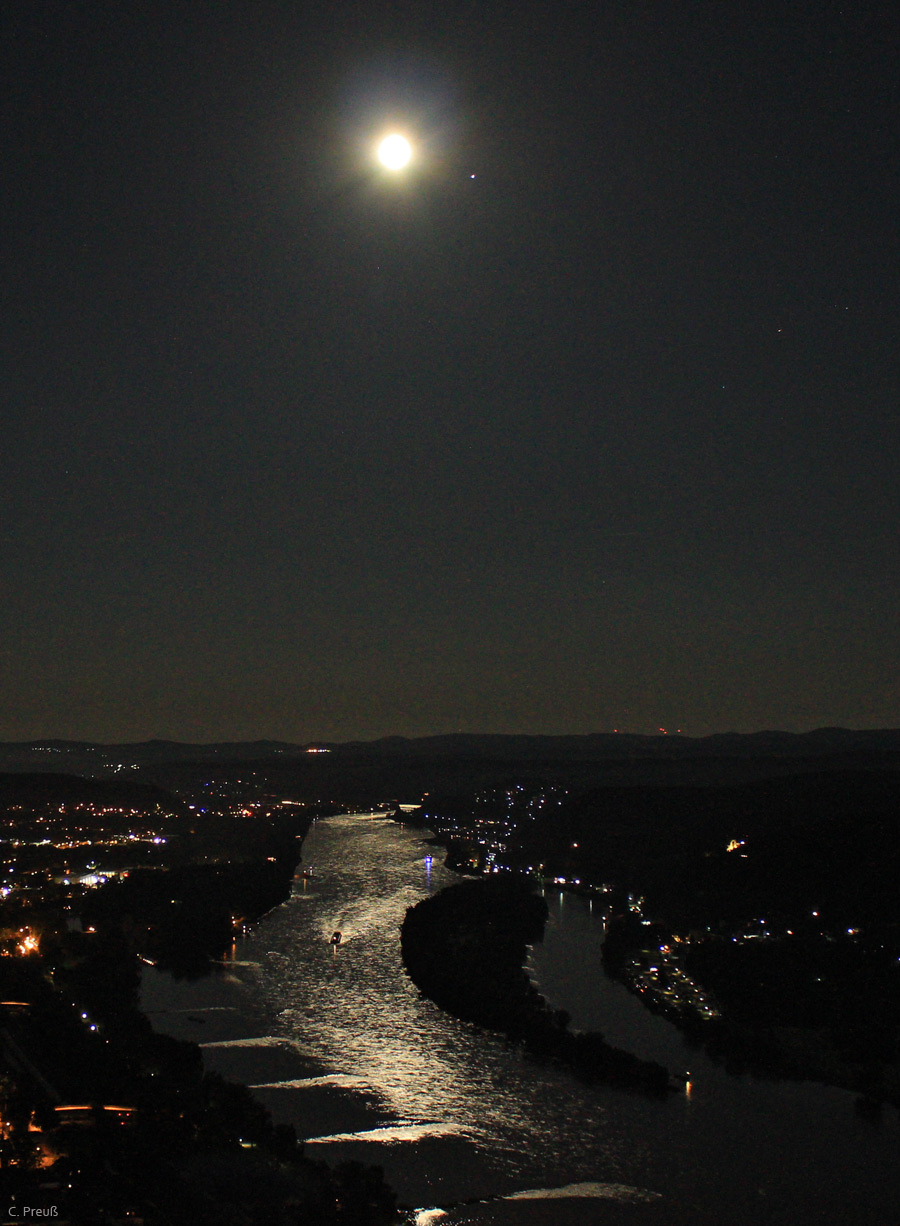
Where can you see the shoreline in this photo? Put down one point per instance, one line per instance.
(782, 1053)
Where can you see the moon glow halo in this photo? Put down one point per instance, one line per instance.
(394, 151)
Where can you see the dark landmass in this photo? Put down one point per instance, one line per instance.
(28, 790)
(602, 745)
(464, 948)
(97, 759)
(183, 917)
(761, 918)
(368, 772)
(826, 842)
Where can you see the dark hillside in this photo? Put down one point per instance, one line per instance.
(806, 841)
(34, 790)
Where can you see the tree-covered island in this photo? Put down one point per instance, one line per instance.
(464, 948)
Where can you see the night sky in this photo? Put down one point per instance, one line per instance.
(586, 420)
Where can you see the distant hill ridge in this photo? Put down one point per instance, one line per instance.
(624, 744)
(51, 755)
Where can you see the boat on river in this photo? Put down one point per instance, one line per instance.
(336, 938)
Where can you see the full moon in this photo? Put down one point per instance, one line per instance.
(394, 152)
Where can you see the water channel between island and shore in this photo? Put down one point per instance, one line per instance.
(337, 1041)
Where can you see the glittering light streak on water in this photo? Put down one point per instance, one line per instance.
(452, 1113)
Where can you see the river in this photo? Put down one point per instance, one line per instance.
(338, 1042)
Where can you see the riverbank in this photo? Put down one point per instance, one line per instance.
(778, 1051)
(782, 1052)
(182, 1144)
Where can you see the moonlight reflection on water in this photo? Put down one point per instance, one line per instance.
(340, 1043)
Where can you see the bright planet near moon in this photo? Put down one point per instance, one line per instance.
(394, 152)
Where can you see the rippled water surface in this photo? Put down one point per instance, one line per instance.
(339, 1042)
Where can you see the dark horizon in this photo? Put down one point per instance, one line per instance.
(585, 421)
(828, 737)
